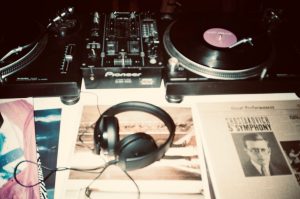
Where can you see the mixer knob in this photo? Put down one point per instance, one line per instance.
(153, 60)
(92, 54)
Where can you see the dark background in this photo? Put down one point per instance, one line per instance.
(44, 8)
(19, 13)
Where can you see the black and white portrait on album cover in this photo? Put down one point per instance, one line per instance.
(260, 155)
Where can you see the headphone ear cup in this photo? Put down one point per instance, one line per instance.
(109, 134)
(135, 145)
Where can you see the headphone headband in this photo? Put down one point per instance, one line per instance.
(145, 160)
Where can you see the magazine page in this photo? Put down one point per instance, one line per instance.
(47, 128)
(17, 144)
(205, 176)
(176, 175)
(56, 131)
(252, 148)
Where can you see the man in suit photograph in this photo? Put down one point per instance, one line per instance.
(259, 163)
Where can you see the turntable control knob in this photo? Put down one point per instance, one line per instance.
(173, 64)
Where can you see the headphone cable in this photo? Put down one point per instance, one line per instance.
(97, 100)
(87, 170)
(88, 191)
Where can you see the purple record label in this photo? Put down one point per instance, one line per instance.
(219, 37)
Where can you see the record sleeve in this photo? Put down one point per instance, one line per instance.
(247, 152)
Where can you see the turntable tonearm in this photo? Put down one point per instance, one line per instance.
(39, 60)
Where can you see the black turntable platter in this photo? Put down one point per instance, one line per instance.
(221, 47)
(18, 32)
(21, 43)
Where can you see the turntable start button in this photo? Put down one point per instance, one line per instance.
(219, 37)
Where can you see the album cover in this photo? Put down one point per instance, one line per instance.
(252, 152)
(47, 127)
(17, 143)
(176, 175)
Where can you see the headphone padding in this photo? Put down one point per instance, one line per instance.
(135, 146)
(106, 134)
(112, 130)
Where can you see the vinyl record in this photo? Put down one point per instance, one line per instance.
(17, 33)
(21, 43)
(208, 46)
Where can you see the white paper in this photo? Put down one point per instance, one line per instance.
(221, 127)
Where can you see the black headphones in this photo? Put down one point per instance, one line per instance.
(136, 150)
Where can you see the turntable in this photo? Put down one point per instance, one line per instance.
(40, 61)
(229, 55)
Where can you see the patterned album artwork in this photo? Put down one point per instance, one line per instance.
(17, 143)
(11, 149)
(47, 128)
